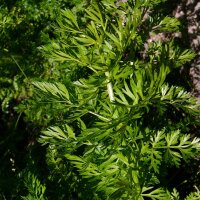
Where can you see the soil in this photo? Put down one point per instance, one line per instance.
(189, 11)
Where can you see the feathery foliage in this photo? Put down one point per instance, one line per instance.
(123, 124)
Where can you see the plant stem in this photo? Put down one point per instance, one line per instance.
(99, 116)
(19, 67)
(109, 87)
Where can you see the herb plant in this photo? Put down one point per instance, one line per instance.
(123, 124)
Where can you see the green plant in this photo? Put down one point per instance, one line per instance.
(35, 188)
(24, 26)
(123, 124)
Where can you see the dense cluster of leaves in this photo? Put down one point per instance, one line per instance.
(123, 125)
(117, 125)
(24, 26)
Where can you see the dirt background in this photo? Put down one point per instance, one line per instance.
(189, 12)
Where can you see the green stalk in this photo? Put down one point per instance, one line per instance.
(109, 87)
